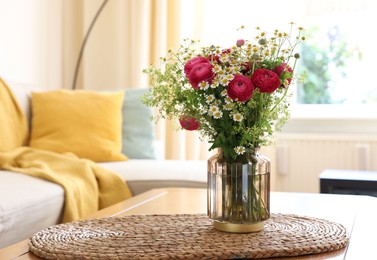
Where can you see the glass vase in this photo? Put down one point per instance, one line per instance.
(239, 191)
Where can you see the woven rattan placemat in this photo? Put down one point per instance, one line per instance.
(185, 237)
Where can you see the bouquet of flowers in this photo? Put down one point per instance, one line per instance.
(235, 97)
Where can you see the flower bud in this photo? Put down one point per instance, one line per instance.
(297, 55)
(262, 41)
(256, 56)
(240, 42)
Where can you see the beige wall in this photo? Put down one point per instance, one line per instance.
(128, 36)
(31, 42)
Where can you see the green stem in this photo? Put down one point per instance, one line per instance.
(277, 103)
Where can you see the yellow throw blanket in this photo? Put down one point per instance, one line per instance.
(13, 125)
(88, 187)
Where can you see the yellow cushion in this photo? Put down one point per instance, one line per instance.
(13, 124)
(86, 123)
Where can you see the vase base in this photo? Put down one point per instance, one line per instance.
(238, 228)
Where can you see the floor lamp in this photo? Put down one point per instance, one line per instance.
(84, 43)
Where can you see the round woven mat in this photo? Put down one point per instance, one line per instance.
(185, 237)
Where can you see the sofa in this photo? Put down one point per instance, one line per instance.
(29, 204)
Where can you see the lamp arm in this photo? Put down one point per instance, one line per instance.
(84, 43)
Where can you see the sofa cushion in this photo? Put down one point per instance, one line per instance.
(137, 130)
(27, 205)
(138, 140)
(86, 123)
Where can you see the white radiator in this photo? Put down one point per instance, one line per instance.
(298, 159)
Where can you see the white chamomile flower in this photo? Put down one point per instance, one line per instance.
(213, 109)
(237, 117)
(234, 70)
(203, 85)
(224, 57)
(230, 77)
(228, 106)
(215, 83)
(224, 93)
(228, 100)
(216, 69)
(217, 114)
(220, 73)
(204, 110)
(210, 98)
(224, 81)
(239, 150)
(217, 102)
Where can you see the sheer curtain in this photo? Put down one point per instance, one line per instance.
(127, 37)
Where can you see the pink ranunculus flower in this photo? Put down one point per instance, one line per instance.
(240, 88)
(189, 123)
(191, 63)
(281, 70)
(201, 72)
(266, 80)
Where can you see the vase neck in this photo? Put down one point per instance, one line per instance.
(253, 150)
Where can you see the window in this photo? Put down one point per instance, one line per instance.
(339, 55)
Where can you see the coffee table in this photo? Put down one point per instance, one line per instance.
(357, 213)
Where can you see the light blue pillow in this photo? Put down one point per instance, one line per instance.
(137, 130)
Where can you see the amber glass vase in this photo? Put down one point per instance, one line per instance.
(239, 191)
